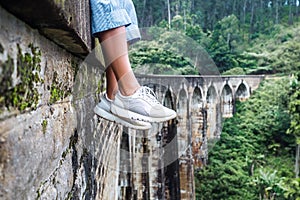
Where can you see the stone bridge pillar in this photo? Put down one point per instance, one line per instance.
(198, 121)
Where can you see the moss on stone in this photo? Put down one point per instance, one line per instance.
(38, 194)
(40, 191)
(57, 90)
(24, 94)
(44, 125)
(56, 94)
(60, 3)
(75, 67)
(6, 80)
(99, 86)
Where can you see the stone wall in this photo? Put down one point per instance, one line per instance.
(66, 22)
(52, 144)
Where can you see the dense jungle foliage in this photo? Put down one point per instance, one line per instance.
(257, 156)
(242, 37)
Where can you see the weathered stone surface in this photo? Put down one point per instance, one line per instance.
(60, 149)
(33, 153)
(66, 22)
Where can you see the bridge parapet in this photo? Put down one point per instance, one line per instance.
(66, 22)
(240, 87)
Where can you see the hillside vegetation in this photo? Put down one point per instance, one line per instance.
(255, 157)
(241, 37)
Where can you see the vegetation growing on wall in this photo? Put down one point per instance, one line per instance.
(56, 93)
(44, 125)
(59, 89)
(6, 81)
(22, 94)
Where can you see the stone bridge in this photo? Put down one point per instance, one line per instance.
(213, 95)
(52, 146)
(201, 102)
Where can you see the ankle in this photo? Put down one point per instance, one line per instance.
(110, 97)
(129, 91)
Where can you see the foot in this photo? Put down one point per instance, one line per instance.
(142, 105)
(103, 110)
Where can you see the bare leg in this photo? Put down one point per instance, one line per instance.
(111, 83)
(114, 46)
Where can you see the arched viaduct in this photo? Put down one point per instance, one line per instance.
(201, 102)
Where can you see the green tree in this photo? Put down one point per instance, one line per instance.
(292, 189)
(224, 43)
(294, 109)
(255, 138)
(269, 185)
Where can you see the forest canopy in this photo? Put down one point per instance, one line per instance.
(241, 36)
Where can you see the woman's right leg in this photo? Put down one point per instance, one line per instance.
(115, 50)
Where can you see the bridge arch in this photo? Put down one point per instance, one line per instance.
(169, 99)
(212, 101)
(182, 104)
(182, 126)
(198, 114)
(243, 91)
(227, 84)
(227, 100)
(211, 94)
(197, 99)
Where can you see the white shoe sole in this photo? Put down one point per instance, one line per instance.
(108, 116)
(136, 116)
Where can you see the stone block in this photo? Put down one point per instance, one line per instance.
(66, 22)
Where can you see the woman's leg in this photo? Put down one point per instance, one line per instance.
(134, 102)
(111, 83)
(119, 72)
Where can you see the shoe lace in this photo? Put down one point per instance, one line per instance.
(148, 94)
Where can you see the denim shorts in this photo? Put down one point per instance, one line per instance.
(108, 14)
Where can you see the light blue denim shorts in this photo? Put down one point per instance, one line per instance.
(108, 14)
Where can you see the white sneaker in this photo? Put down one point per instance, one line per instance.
(103, 110)
(142, 105)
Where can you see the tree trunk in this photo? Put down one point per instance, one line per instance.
(297, 161)
(277, 12)
(169, 14)
(144, 12)
(262, 18)
(291, 21)
(297, 8)
(184, 19)
(229, 42)
(234, 7)
(244, 10)
(252, 17)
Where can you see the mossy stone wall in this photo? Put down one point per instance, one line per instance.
(52, 146)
